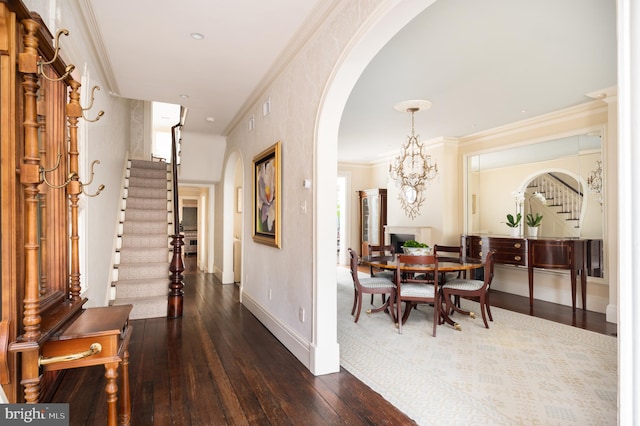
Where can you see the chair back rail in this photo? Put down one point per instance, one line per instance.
(414, 286)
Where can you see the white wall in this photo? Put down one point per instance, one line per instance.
(301, 275)
(204, 155)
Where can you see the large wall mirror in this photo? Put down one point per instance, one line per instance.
(565, 172)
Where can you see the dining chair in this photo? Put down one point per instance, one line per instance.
(368, 285)
(413, 286)
(449, 254)
(471, 288)
(378, 252)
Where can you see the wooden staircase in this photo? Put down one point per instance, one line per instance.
(562, 199)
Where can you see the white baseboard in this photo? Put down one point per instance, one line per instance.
(612, 313)
(299, 347)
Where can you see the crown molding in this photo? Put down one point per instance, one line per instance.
(96, 46)
(582, 110)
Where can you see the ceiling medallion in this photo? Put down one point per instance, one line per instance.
(412, 169)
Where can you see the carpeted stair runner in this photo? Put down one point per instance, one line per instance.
(141, 275)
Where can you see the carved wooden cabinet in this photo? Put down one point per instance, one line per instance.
(548, 253)
(373, 216)
(44, 327)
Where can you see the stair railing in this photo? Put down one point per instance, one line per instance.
(176, 268)
(560, 194)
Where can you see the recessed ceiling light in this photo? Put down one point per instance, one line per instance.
(183, 96)
(197, 36)
(523, 111)
(210, 119)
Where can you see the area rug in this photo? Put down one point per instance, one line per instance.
(521, 371)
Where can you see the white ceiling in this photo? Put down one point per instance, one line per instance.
(148, 53)
(481, 63)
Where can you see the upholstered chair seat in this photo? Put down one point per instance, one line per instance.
(472, 289)
(369, 285)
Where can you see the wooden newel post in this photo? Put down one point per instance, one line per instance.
(175, 287)
(174, 305)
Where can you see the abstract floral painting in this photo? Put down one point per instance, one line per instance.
(266, 196)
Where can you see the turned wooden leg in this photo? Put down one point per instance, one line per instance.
(111, 374)
(125, 402)
(31, 376)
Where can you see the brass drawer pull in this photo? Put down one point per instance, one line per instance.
(480, 254)
(480, 242)
(517, 245)
(518, 258)
(95, 348)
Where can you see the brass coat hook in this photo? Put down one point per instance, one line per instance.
(100, 188)
(100, 113)
(68, 70)
(43, 175)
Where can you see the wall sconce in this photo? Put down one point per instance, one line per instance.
(594, 180)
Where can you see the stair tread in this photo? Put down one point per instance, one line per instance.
(145, 307)
(139, 281)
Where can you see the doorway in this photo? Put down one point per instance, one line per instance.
(341, 222)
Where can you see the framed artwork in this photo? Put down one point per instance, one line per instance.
(267, 196)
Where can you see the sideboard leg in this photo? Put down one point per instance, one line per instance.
(573, 289)
(530, 286)
(111, 374)
(125, 402)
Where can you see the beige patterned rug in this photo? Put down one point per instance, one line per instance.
(521, 371)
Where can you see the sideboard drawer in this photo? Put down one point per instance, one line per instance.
(473, 246)
(508, 244)
(510, 258)
(511, 251)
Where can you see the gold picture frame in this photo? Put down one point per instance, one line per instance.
(267, 196)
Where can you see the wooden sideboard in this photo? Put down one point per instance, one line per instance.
(107, 332)
(548, 253)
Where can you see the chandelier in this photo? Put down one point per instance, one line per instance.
(412, 169)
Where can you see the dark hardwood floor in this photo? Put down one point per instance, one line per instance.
(218, 365)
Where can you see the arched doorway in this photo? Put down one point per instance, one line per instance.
(393, 16)
(233, 230)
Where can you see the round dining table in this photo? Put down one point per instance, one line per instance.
(445, 264)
